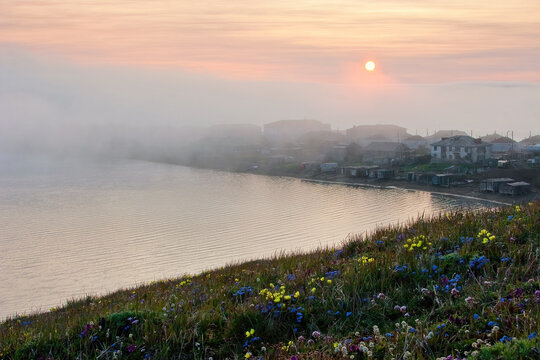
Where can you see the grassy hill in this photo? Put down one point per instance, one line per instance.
(459, 285)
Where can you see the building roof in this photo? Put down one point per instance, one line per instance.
(533, 140)
(295, 123)
(386, 146)
(414, 138)
(385, 130)
(498, 180)
(460, 140)
(490, 137)
(519, 183)
(445, 133)
(502, 140)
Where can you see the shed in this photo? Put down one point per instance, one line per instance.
(492, 185)
(445, 179)
(384, 174)
(329, 167)
(515, 188)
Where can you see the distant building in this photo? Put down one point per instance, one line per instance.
(460, 149)
(492, 185)
(515, 188)
(364, 134)
(531, 144)
(489, 138)
(503, 145)
(329, 167)
(291, 130)
(416, 142)
(384, 152)
(441, 134)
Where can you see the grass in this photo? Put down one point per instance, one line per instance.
(459, 285)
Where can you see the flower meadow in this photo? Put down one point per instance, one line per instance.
(462, 285)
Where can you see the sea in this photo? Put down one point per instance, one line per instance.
(74, 227)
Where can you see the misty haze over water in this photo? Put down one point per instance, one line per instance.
(71, 228)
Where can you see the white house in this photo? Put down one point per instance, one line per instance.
(460, 148)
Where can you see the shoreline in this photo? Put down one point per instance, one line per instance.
(405, 188)
(466, 191)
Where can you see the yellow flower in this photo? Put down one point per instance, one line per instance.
(329, 281)
(287, 297)
(297, 294)
(313, 290)
(248, 355)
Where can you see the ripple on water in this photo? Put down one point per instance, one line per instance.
(68, 231)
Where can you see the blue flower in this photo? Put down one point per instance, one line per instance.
(348, 314)
(476, 316)
(412, 330)
(505, 339)
(532, 336)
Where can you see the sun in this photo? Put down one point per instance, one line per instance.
(370, 66)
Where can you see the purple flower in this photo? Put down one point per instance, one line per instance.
(316, 334)
(294, 358)
(131, 348)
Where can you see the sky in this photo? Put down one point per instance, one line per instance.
(68, 65)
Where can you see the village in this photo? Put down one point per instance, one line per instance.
(378, 155)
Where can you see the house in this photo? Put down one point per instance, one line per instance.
(503, 145)
(531, 144)
(415, 142)
(461, 148)
(284, 131)
(492, 185)
(489, 138)
(383, 152)
(515, 188)
(439, 135)
(365, 134)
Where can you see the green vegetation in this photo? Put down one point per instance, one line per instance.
(463, 284)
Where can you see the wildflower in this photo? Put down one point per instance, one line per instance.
(250, 332)
(476, 316)
(316, 334)
(131, 348)
(248, 355)
(403, 309)
(531, 336)
(505, 339)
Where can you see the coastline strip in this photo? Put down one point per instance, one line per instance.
(370, 186)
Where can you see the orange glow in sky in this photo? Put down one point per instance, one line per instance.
(304, 40)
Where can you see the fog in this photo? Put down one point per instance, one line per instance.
(48, 103)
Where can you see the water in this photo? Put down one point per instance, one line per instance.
(71, 228)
